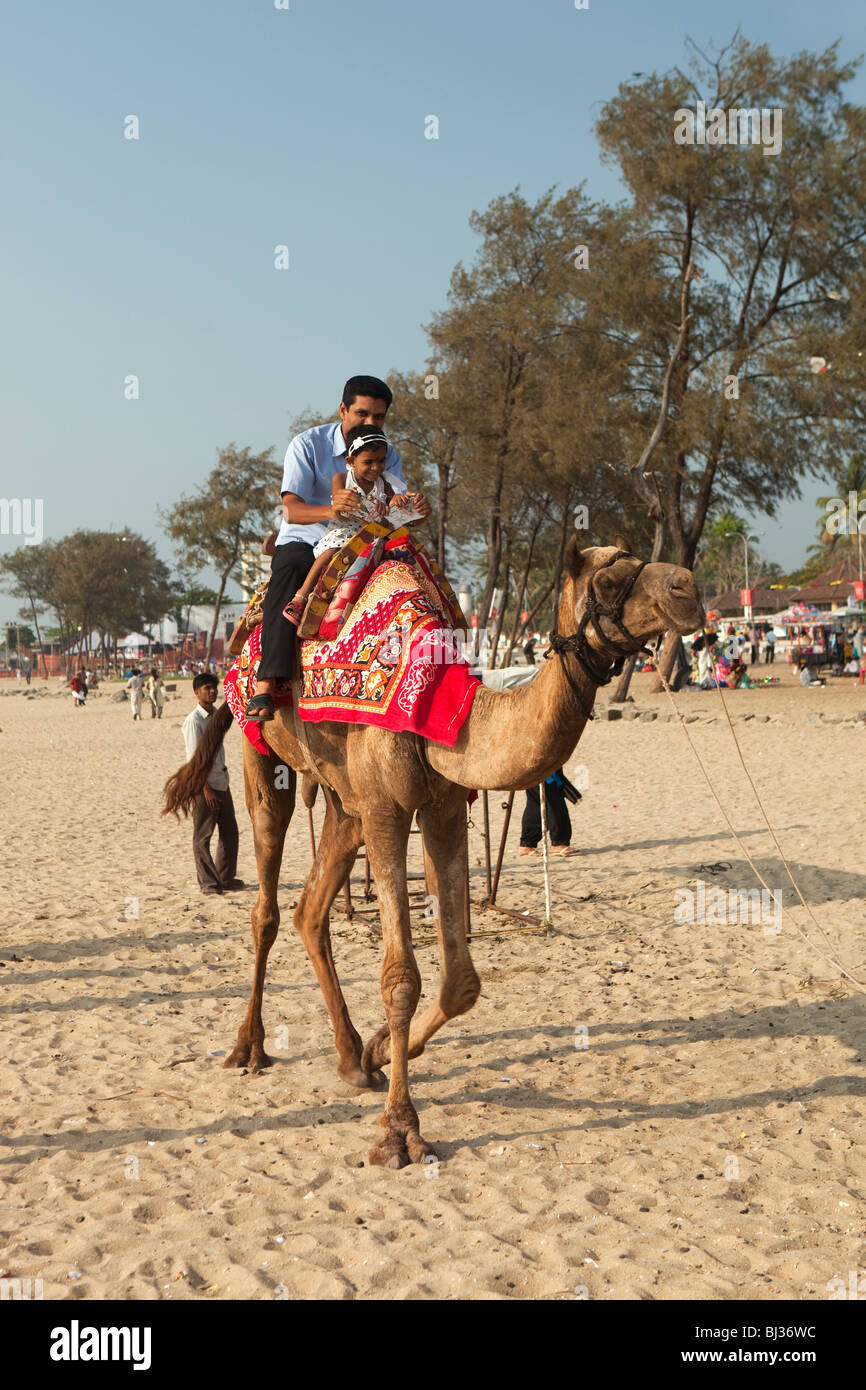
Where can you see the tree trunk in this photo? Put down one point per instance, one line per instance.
(521, 594)
(39, 640)
(216, 613)
(667, 657)
(494, 648)
(444, 475)
(622, 685)
(566, 515)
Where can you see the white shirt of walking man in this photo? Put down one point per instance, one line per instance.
(135, 686)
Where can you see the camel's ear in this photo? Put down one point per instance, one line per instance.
(574, 560)
(622, 544)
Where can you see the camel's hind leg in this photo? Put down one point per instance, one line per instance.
(342, 837)
(270, 795)
(445, 862)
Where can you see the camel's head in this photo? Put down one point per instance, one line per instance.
(625, 604)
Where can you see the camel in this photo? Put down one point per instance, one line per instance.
(374, 783)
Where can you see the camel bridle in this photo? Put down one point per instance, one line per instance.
(595, 611)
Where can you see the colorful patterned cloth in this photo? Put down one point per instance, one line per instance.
(395, 664)
(386, 652)
(343, 582)
(240, 686)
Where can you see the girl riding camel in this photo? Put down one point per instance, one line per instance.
(378, 490)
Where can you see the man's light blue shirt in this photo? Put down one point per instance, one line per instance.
(312, 459)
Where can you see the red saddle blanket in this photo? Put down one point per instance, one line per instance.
(391, 657)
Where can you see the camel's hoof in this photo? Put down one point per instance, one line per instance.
(398, 1151)
(355, 1078)
(390, 1152)
(250, 1055)
(419, 1149)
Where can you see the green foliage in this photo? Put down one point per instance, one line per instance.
(227, 516)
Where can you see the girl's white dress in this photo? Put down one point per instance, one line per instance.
(339, 532)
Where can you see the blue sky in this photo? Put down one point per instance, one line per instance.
(261, 127)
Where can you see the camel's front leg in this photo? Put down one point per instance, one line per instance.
(270, 807)
(338, 847)
(386, 834)
(446, 864)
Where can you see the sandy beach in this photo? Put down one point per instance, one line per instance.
(637, 1107)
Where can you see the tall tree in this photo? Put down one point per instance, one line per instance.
(227, 516)
(765, 253)
(29, 569)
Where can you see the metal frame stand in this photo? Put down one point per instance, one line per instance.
(371, 907)
(490, 903)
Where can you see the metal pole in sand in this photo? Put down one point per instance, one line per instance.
(543, 800)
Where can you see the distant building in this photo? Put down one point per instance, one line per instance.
(255, 568)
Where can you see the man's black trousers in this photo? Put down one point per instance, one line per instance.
(290, 565)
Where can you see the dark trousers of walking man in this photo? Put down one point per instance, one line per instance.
(214, 874)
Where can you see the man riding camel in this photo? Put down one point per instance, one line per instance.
(312, 459)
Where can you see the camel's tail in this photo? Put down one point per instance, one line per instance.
(183, 789)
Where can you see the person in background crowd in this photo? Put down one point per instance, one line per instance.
(155, 690)
(78, 686)
(769, 647)
(529, 651)
(753, 643)
(808, 674)
(135, 686)
(27, 674)
(214, 809)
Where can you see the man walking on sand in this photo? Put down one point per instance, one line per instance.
(214, 809)
(155, 691)
(135, 686)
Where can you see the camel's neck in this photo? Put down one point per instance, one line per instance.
(516, 739)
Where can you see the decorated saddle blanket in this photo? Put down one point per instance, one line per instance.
(384, 648)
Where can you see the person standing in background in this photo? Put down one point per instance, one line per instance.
(753, 643)
(214, 809)
(135, 686)
(769, 647)
(155, 690)
(558, 819)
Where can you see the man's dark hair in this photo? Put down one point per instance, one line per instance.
(366, 386)
(204, 678)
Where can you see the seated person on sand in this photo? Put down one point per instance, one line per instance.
(739, 677)
(379, 492)
(808, 674)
